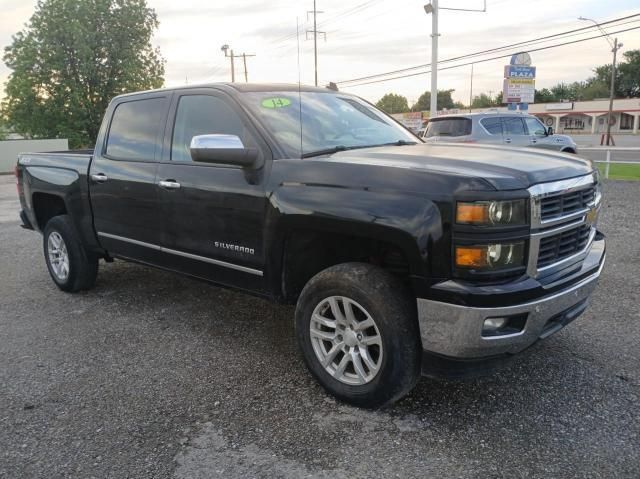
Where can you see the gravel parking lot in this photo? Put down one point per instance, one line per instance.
(156, 375)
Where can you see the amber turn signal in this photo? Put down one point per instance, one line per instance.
(471, 257)
(472, 213)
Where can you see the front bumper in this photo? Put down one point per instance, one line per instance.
(455, 331)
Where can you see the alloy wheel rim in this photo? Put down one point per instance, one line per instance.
(58, 256)
(346, 340)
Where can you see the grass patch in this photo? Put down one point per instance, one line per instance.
(619, 171)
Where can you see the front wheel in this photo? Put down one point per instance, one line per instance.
(356, 327)
(70, 265)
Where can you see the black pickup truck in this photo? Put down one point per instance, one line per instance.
(401, 257)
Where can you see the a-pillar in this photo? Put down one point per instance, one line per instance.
(636, 123)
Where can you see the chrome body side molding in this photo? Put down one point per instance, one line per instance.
(195, 257)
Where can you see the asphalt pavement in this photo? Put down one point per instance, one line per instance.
(154, 375)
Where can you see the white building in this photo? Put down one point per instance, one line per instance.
(590, 117)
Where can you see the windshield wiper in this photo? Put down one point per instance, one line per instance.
(336, 149)
(399, 143)
(333, 149)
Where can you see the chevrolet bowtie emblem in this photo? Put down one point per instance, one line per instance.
(592, 215)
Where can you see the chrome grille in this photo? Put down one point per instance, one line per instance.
(562, 245)
(562, 223)
(555, 206)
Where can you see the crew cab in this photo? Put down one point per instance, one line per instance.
(402, 257)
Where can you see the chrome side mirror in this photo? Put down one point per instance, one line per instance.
(222, 149)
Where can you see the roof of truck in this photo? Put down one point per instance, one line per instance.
(238, 87)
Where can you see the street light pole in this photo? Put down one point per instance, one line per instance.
(225, 48)
(615, 46)
(434, 60)
(433, 9)
(612, 92)
(233, 69)
(471, 90)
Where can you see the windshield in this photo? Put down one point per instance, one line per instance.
(329, 121)
(456, 126)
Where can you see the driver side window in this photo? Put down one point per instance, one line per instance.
(204, 115)
(535, 127)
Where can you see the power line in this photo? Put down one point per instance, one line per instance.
(490, 59)
(348, 12)
(491, 50)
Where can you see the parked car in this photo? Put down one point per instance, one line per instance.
(401, 257)
(514, 129)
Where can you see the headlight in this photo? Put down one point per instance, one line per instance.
(490, 257)
(488, 213)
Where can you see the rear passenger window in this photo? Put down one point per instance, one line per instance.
(492, 125)
(454, 126)
(134, 129)
(513, 125)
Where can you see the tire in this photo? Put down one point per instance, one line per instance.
(387, 350)
(71, 267)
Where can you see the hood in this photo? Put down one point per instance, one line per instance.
(504, 168)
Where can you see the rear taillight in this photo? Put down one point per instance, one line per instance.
(17, 173)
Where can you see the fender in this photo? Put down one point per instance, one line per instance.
(44, 175)
(408, 208)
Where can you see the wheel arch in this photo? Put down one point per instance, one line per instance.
(46, 206)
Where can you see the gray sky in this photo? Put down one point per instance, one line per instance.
(364, 37)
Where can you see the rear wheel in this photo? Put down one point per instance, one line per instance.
(356, 326)
(71, 267)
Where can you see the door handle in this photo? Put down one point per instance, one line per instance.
(169, 184)
(507, 140)
(99, 177)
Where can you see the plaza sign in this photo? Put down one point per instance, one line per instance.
(519, 71)
(519, 85)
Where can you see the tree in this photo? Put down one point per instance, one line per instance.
(3, 129)
(392, 103)
(544, 96)
(444, 101)
(593, 89)
(70, 60)
(628, 77)
(483, 101)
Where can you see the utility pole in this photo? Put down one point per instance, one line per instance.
(244, 60)
(315, 38)
(233, 68)
(615, 46)
(228, 52)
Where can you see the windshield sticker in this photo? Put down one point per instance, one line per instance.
(276, 102)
